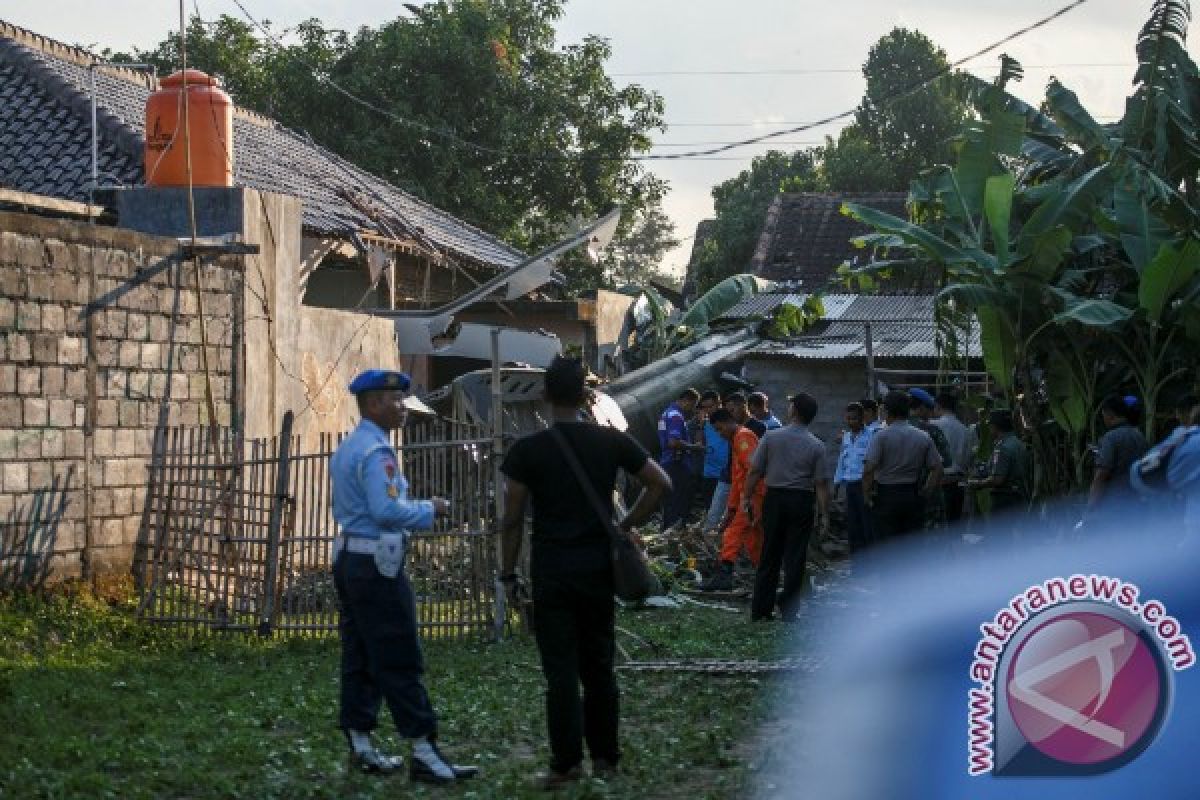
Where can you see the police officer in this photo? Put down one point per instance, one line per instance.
(1008, 472)
(921, 407)
(896, 458)
(381, 655)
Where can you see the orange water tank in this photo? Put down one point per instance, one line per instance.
(210, 128)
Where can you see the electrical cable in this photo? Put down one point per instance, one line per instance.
(830, 71)
(690, 155)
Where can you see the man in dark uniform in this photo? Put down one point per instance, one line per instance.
(896, 458)
(1008, 477)
(571, 566)
(381, 654)
(1118, 449)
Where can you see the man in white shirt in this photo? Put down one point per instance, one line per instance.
(962, 443)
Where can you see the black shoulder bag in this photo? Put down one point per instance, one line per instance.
(633, 581)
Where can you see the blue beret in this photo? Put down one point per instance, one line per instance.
(923, 397)
(379, 379)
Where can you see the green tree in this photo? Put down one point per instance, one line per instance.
(910, 130)
(636, 258)
(897, 134)
(552, 133)
(851, 163)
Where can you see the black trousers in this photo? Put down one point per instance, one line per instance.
(953, 498)
(707, 488)
(678, 502)
(899, 510)
(381, 655)
(858, 518)
(787, 526)
(575, 613)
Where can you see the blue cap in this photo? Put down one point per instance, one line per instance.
(923, 397)
(374, 379)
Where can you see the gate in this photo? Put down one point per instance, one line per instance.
(240, 532)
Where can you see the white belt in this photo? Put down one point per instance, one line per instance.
(355, 544)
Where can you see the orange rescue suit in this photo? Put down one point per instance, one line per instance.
(741, 533)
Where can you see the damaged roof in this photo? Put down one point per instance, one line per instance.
(902, 326)
(806, 237)
(45, 148)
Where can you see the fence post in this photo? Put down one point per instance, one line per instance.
(278, 499)
(499, 598)
(870, 347)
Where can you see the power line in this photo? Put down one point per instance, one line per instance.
(830, 71)
(690, 155)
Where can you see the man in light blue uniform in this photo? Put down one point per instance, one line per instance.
(856, 439)
(381, 654)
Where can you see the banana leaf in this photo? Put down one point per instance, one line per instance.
(1071, 206)
(933, 245)
(1081, 127)
(1174, 267)
(997, 206)
(719, 299)
(1095, 313)
(999, 345)
(1047, 254)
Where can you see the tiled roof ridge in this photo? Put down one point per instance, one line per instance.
(22, 49)
(762, 249)
(891, 195)
(69, 52)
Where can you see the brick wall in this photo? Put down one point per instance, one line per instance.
(83, 387)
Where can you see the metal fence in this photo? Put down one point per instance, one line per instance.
(240, 532)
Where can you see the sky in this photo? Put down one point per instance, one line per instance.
(1091, 50)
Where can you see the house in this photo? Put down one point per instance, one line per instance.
(806, 237)
(830, 359)
(349, 225)
(691, 280)
(45, 148)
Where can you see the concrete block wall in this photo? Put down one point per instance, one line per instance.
(833, 383)
(99, 347)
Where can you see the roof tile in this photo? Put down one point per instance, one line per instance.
(45, 148)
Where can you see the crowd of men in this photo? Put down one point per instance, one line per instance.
(906, 464)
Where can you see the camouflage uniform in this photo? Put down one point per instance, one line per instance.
(935, 509)
(1010, 462)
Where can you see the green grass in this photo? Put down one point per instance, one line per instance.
(95, 705)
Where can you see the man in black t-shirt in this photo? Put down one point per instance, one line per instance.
(571, 567)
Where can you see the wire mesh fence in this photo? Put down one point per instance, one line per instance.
(240, 532)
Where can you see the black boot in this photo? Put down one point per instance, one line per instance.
(721, 580)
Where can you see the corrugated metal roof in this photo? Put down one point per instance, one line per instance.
(846, 339)
(867, 308)
(762, 305)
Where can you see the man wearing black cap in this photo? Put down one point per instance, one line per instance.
(381, 654)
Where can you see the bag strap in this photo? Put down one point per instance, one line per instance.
(581, 477)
